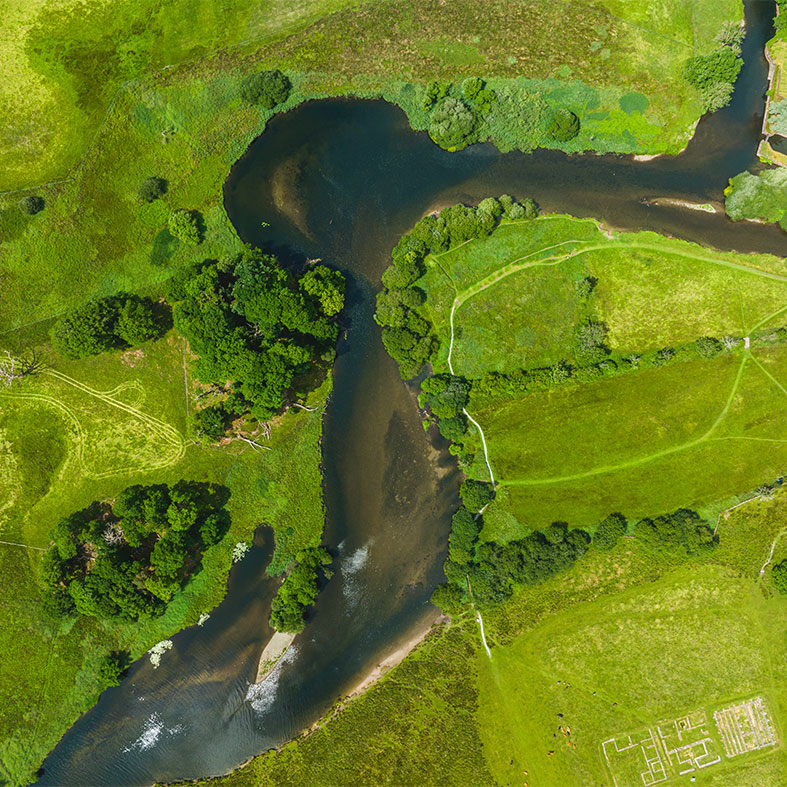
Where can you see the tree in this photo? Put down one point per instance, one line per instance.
(136, 321)
(152, 188)
(609, 530)
(88, 329)
(476, 494)
(31, 204)
(592, 340)
(708, 346)
(716, 95)
(453, 124)
(721, 65)
(327, 286)
(14, 369)
(112, 666)
(446, 395)
(564, 125)
(185, 225)
(266, 89)
(209, 423)
(299, 590)
(779, 576)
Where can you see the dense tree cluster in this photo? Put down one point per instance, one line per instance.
(490, 571)
(253, 323)
(609, 531)
(714, 74)
(104, 324)
(407, 335)
(300, 589)
(682, 531)
(266, 89)
(128, 559)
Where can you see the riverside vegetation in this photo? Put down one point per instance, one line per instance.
(678, 576)
(145, 203)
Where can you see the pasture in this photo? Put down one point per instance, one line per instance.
(646, 435)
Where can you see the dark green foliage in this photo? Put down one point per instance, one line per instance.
(478, 95)
(435, 92)
(780, 21)
(609, 530)
(31, 204)
(721, 65)
(112, 666)
(454, 428)
(664, 356)
(708, 346)
(108, 324)
(299, 590)
(682, 531)
(465, 527)
(186, 226)
(586, 286)
(779, 576)
(137, 321)
(448, 598)
(453, 124)
(266, 89)
(445, 395)
(476, 494)
(564, 125)
(714, 74)
(498, 568)
(210, 423)
(88, 329)
(127, 560)
(152, 188)
(252, 323)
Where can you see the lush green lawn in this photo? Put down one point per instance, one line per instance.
(84, 430)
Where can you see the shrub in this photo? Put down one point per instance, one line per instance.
(266, 89)
(152, 188)
(476, 494)
(683, 531)
(453, 124)
(112, 666)
(136, 321)
(779, 576)
(591, 337)
(185, 225)
(564, 125)
(708, 346)
(435, 92)
(209, 423)
(609, 530)
(585, 286)
(731, 36)
(31, 204)
(716, 95)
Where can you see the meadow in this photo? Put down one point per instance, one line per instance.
(68, 64)
(641, 437)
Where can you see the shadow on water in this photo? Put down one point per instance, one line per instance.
(341, 180)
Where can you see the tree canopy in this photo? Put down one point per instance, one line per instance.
(299, 589)
(104, 324)
(266, 89)
(186, 226)
(127, 560)
(255, 324)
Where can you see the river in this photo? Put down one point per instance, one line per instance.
(342, 180)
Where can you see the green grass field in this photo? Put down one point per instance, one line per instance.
(620, 64)
(84, 430)
(648, 441)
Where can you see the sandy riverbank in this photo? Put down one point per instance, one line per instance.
(272, 652)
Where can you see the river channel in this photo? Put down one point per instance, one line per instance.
(341, 180)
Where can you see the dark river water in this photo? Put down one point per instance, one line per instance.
(342, 180)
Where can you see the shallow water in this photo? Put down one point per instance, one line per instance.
(342, 180)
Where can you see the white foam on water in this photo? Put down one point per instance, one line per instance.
(262, 695)
(151, 732)
(349, 566)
